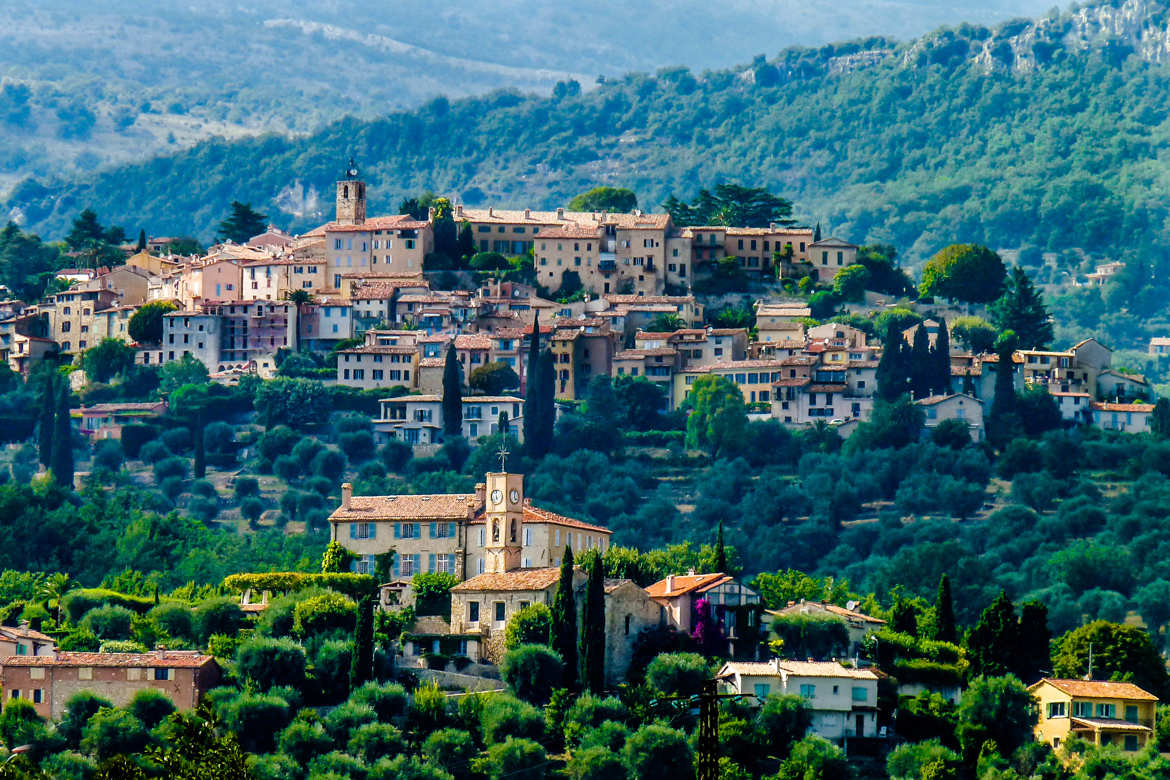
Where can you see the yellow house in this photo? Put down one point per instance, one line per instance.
(1103, 713)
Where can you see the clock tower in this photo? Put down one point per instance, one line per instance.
(351, 198)
(504, 516)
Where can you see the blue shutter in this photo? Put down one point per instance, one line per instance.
(451, 530)
(397, 533)
(451, 562)
(417, 562)
(431, 562)
(373, 530)
(434, 532)
(353, 530)
(395, 563)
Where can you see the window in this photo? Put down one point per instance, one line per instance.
(473, 612)
(860, 693)
(1131, 740)
(808, 691)
(162, 674)
(1082, 709)
(38, 697)
(14, 694)
(1131, 713)
(500, 613)
(1106, 710)
(528, 536)
(1056, 709)
(762, 690)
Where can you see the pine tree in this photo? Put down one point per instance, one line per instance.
(62, 455)
(1021, 309)
(362, 662)
(563, 632)
(141, 241)
(944, 608)
(532, 414)
(891, 374)
(992, 643)
(243, 223)
(593, 629)
(548, 405)
(452, 394)
(720, 551)
(942, 359)
(45, 424)
(921, 366)
(1032, 656)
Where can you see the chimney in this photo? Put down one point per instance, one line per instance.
(491, 211)
(560, 213)
(480, 494)
(459, 210)
(527, 213)
(346, 494)
(431, 213)
(669, 583)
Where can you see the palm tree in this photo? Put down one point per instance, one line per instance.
(53, 588)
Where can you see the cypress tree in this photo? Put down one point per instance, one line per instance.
(593, 630)
(362, 663)
(532, 414)
(944, 608)
(942, 359)
(502, 426)
(141, 241)
(720, 551)
(199, 461)
(563, 631)
(62, 455)
(891, 375)
(548, 406)
(921, 366)
(817, 233)
(1004, 402)
(45, 424)
(452, 394)
(1160, 419)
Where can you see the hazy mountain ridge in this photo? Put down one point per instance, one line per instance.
(115, 81)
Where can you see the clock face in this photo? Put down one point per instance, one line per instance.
(514, 495)
(497, 496)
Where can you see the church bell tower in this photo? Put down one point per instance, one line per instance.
(351, 198)
(504, 515)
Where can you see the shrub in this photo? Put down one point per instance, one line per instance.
(329, 464)
(327, 612)
(20, 724)
(358, 446)
(218, 616)
(170, 467)
(657, 752)
(255, 719)
(201, 487)
(205, 509)
(107, 454)
(396, 454)
(678, 674)
(337, 765)
(372, 741)
(504, 717)
(274, 766)
(343, 720)
(428, 709)
(388, 700)
(69, 765)
(406, 768)
(109, 622)
(596, 763)
(514, 758)
(269, 663)
(331, 666)
(172, 488)
(589, 712)
(305, 450)
(451, 749)
(278, 441)
(77, 602)
(112, 732)
(150, 706)
(79, 708)
(287, 468)
(122, 646)
(529, 626)
(153, 451)
(251, 508)
(531, 672)
(177, 439)
(174, 619)
(304, 741)
(246, 487)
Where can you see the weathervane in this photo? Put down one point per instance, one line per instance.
(503, 456)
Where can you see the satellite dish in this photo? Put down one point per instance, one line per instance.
(850, 605)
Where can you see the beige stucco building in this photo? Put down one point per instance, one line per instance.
(1119, 714)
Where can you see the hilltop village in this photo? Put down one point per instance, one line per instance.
(465, 463)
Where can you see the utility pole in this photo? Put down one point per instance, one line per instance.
(708, 745)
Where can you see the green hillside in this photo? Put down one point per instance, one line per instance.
(1047, 134)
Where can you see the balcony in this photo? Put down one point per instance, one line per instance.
(607, 266)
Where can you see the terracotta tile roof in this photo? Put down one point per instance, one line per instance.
(1059, 394)
(827, 388)
(431, 363)
(1097, 689)
(534, 514)
(572, 231)
(798, 608)
(792, 382)
(1112, 407)
(437, 506)
(826, 669)
(473, 341)
(381, 349)
(636, 354)
(395, 222)
(686, 583)
(520, 579)
(733, 365)
(566, 217)
(159, 658)
(616, 298)
(19, 632)
(938, 399)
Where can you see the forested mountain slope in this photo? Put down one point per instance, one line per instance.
(1046, 133)
(116, 81)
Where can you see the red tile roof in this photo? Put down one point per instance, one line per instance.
(686, 583)
(533, 514)
(445, 506)
(520, 579)
(1097, 689)
(159, 658)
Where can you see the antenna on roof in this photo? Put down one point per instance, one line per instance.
(1089, 675)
